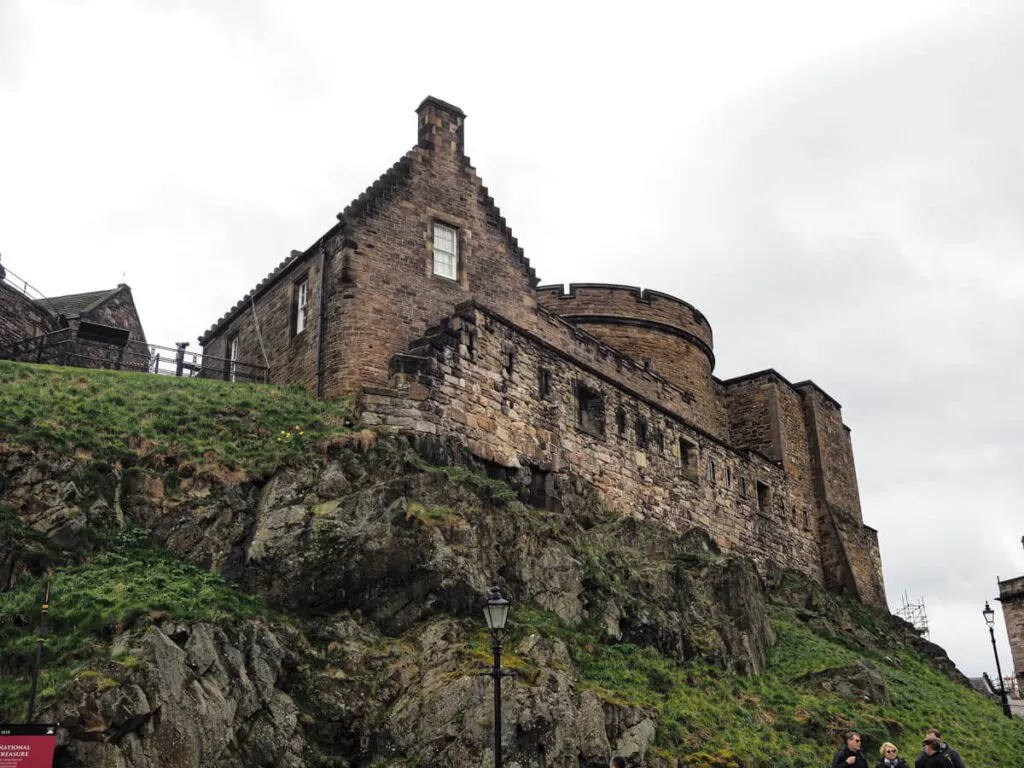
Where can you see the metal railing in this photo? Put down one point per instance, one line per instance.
(26, 289)
(65, 347)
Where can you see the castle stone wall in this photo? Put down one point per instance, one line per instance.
(291, 357)
(20, 317)
(659, 331)
(1011, 596)
(460, 382)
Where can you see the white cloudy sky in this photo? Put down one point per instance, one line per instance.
(838, 186)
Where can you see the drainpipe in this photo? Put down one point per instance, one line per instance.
(320, 321)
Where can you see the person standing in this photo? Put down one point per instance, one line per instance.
(850, 755)
(890, 757)
(953, 756)
(934, 755)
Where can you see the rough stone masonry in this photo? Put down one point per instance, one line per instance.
(420, 302)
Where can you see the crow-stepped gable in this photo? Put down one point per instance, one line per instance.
(420, 302)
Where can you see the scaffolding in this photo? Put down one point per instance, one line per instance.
(915, 615)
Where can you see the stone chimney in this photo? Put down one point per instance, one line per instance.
(441, 126)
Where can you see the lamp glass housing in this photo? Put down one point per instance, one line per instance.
(496, 611)
(989, 614)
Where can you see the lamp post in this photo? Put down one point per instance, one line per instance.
(990, 619)
(496, 613)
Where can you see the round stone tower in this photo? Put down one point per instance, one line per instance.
(665, 333)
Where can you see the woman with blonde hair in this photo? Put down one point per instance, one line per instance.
(890, 757)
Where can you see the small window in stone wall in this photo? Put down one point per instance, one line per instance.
(807, 520)
(764, 498)
(620, 422)
(300, 304)
(590, 410)
(688, 458)
(232, 368)
(544, 379)
(659, 440)
(446, 251)
(510, 362)
(728, 477)
(641, 433)
(712, 471)
(743, 487)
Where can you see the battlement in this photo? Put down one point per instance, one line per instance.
(594, 303)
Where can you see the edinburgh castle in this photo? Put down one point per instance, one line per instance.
(420, 303)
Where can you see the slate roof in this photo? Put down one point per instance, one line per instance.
(78, 303)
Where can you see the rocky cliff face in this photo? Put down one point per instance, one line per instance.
(375, 564)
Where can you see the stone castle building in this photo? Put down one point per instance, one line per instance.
(88, 330)
(420, 302)
(1011, 597)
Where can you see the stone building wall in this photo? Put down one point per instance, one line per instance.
(387, 294)
(1011, 596)
(119, 311)
(480, 377)
(20, 317)
(766, 415)
(291, 357)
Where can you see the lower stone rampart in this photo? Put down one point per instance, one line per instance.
(21, 318)
(513, 401)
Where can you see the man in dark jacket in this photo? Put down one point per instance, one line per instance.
(952, 757)
(851, 755)
(934, 756)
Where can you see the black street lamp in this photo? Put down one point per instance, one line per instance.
(990, 619)
(496, 613)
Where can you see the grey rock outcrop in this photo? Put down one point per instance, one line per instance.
(199, 696)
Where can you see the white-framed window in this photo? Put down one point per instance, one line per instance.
(301, 303)
(232, 357)
(446, 251)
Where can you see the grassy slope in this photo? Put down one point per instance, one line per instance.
(110, 416)
(705, 717)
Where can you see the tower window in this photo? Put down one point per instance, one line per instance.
(764, 498)
(743, 487)
(620, 422)
(712, 471)
(641, 433)
(446, 251)
(688, 458)
(590, 410)
(544, 377)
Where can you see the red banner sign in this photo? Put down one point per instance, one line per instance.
(27, 746)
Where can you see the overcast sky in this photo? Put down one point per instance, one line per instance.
(839, 190)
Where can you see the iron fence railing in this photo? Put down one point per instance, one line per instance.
(25, 288)
(65, 347)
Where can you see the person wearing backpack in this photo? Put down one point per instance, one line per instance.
(934, 755)
(850, 755)
(951, 754)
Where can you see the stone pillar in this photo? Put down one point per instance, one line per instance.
(1011, 596)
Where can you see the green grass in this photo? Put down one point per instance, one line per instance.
(129, 585)
(706, 717)
(111, 583)
(200, 424)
